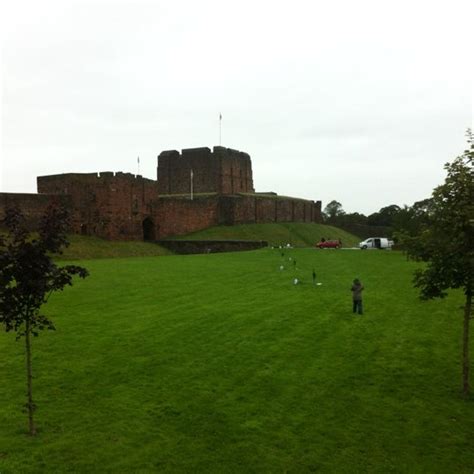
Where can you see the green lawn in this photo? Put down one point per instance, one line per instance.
(299, 234)
(219, 364)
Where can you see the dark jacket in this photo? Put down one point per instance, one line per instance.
(357, 291)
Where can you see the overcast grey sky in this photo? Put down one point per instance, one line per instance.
(359, 101)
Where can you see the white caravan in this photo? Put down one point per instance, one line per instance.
(376, 243)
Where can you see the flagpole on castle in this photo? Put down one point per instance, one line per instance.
(138, 165)
(220, 129)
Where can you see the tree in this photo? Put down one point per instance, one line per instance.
(354, 218)
(409, 221)
(333, 209)
(28, 277)
(446, 242)
(384, 217)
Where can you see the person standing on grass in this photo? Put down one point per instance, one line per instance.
(356, 289)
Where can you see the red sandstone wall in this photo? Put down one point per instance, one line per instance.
(165, 160)
(205, 171)
(235, 171)
(174, 171)
(261, 209)
(317, 215)
(226, 184)
(179, 216)
(32, 206)
(308, 211)
(114, 207)
(298, 211)
(241, 211)
(284, 210)
(265, 210)
(107, 205)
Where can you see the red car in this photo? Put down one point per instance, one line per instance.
(329, 244)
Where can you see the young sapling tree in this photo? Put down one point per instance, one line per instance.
(445, 241)
(28, 277)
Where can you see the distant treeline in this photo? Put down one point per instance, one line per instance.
(387, 222)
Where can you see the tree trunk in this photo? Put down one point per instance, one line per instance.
(29, 378)
(465, 345)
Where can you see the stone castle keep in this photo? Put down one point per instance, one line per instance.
(122, 206)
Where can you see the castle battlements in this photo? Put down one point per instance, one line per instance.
(95, 177)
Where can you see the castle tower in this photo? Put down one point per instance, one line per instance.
(221, 171)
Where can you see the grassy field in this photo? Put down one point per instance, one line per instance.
(297, 233)
(218, 363)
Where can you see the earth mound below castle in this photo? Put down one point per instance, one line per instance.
(300, 234)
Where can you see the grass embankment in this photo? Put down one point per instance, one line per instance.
(218, 363)
(82, 247)
(298, 234)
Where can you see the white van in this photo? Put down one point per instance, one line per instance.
(376, 243)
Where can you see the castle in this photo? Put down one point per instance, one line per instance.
(195, 189)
